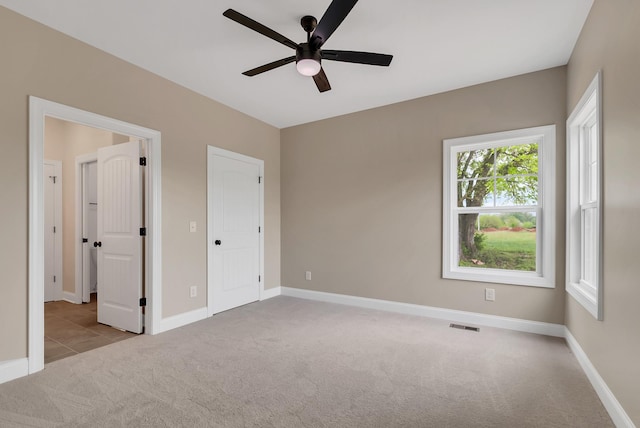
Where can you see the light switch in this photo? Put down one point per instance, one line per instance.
(192, 226)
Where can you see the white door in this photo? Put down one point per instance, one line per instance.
(119, 242)
(52, 177)
(89, 201)
(234, 229)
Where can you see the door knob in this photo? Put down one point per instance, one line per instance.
(218, 242)
(97, 244)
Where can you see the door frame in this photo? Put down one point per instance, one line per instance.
(81, 260)
(211, 150)
(57, 246)
(39, 109)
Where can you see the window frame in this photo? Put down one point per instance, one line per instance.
(588, 109)
(544, 276)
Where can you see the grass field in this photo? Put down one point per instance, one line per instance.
(506, 250)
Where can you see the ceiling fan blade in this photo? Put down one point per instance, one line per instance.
(321, 81)
(358, 57)
(332, 18)
(270, 66)
(256, 26)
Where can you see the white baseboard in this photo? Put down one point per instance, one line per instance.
(270, 292)
(180, 320)
(616, 412)
(547, 329)
(70, 297)
(13, 369)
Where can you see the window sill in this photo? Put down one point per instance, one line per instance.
(528, 279)
(587, 299)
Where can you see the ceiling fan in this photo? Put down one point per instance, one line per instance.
(308, 55)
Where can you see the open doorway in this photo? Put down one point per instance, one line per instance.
(72, 314)
(39, 110)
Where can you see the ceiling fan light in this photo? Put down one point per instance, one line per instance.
(308, 67)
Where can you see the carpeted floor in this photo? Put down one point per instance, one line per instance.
(288, 362)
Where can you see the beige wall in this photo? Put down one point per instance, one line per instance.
(64, 141)
(41, 62)
(610, 42)
(362, 197)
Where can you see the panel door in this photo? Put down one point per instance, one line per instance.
(119, 242)
(235, 247)
(52, 176)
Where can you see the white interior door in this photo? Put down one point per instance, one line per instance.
(52, 176)
(89, 201)
(234, 235)
(119, 242)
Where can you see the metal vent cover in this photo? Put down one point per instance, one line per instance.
(465, 327)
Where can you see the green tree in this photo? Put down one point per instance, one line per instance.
(488, 220)
(500, 176)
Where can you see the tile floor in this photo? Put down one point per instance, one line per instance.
(70, 329)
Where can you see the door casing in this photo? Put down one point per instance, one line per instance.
(38, 110)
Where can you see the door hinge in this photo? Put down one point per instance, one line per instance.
(53, 177)
(54, 229)
(143, 161)
(259, 278)
(84, 240)
(54, 278)
(143, 301)
(143, 231)
(259, 229)
(259, 180)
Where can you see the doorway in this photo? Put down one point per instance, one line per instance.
(39, 110)
(73, 327)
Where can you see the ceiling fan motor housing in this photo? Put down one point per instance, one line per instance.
(304, 51)
(307, 60)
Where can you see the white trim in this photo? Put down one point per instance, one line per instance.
(545, 275)
(516, 324)
(270, 293)
(38, 110)
(212, 150)
(590, 104)
(613, 406)
(180, 320)
(81, 160)
(13, 369)
(71, 297)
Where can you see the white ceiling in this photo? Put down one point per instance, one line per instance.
(438, 45)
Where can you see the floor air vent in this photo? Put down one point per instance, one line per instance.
(464, 327)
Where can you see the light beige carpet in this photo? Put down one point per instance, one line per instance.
(288, 362)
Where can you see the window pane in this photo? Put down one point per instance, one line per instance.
(498, 240)
(517, 160)
(516, 191)
(475, 164)
(593, 182)
(475, 193)
(589, 245)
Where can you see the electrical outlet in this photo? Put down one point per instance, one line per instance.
(307, 275)
(490, 294)
(192, 226)
(193, 291)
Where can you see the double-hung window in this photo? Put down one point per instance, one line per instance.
(498, 207)
(584, 212)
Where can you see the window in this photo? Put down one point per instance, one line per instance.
(584, 212)
(498, 207)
